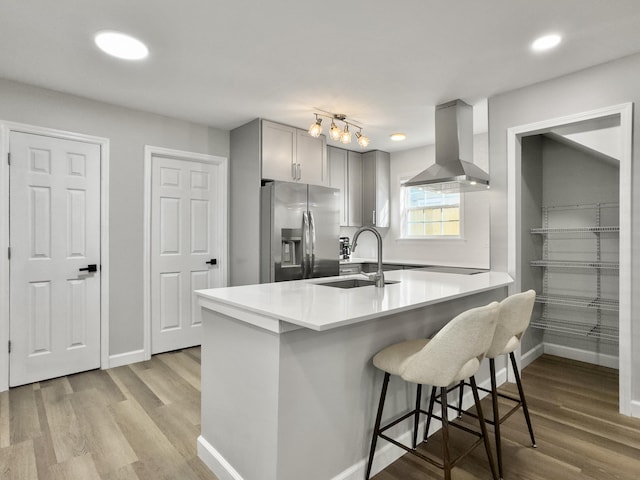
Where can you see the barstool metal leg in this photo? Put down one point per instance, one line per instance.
(416, 419)
(432, 400)
(496, 414)
(525, 409)
(460, 399)
(376, 428)
(483, 426)
(445, 434)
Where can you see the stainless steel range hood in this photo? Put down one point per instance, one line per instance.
(454, 170)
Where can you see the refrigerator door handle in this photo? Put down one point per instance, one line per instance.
(312, 250)
(306, 244)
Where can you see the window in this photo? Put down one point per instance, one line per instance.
(429, 214)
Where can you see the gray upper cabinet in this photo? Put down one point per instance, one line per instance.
(292, 155)
(345, 173)
(375, 188)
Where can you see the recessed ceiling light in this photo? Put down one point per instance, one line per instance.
(121, 45)
(398, 137)
(546, 42)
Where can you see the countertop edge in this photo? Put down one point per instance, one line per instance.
(279, 323)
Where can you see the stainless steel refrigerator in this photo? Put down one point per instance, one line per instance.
(299, 231)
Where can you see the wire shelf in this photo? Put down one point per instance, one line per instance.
(582, 329)
(603, 229)
(608, 304)
(575, 264)
(584, 206)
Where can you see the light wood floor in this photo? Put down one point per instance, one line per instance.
(141, 422)
(137, 422)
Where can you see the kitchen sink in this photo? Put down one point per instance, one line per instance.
(353, 283)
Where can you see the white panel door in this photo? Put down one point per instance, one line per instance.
(184, 248)
(54, 235)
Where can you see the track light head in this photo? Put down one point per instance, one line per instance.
(334, 132)
(363, 140)
(315, 130)
(345, 136)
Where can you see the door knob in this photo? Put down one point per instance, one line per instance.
(90, 268)
(213, 261)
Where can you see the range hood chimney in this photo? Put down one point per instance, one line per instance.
(454, 170)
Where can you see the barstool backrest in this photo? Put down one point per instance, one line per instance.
(456, 351)
(513, 320)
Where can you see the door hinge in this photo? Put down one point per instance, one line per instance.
(9, 158)
(9, 253)
(9, 346)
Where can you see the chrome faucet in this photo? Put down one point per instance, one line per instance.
(377, 277)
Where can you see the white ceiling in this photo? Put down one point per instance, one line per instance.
(385, 64)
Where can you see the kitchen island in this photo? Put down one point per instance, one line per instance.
(288, 388)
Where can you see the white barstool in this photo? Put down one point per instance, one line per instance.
(452, 355)
(513, 320)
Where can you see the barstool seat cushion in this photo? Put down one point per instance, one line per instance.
(394, 358)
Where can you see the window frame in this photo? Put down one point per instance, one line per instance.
(404, 212)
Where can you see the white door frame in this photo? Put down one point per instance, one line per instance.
(222, 197)
(6, 128)
(514, 150)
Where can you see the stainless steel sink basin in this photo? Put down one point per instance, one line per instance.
(353, 283)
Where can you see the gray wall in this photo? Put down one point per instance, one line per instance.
(531, 217)
(128, 131)
(601, 86)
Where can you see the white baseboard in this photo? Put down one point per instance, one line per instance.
(126, 358)
(580, 355)
(531, 355)
(216, 462)
(635, 408)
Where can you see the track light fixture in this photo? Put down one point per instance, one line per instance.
(335, 133)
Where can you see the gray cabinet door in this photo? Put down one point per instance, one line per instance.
(337, 166)
(278, 151)
(311, 158)
(354, 189)
(375, 188)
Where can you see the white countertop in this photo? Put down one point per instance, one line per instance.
(307, 304)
